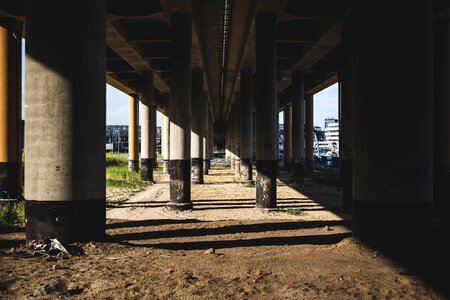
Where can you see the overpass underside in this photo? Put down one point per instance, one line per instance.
(220, 72)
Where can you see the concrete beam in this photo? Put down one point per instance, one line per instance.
(117, 41)
(328, 41)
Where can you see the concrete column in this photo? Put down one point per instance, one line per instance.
(309, 136)
(287, 136)
(393, 123)
(237, 136)
(266, 112)
(227, 143)
(205, 138)
(147, 130)
(155, 154)
(210, 140)
(180, 112)
(10, 108)
(165, 134)
(346, 119)
(298, 127)
(197, 128)
(65, 121)
(246, 126)
(442, 117)
(232, 139)
(133, 129)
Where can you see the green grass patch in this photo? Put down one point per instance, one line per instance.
(117, 174)
(12, 213)
(295, 211)
(249, 185)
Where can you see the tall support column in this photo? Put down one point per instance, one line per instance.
(65, 121)
(442, 117)
(155, 154)
(393, 148)
(287, 136)
(309, 162)
(180, 111)
(298, 127)
(246, 126)
(266, 112)
(237, 136)
(205, 137)
(165, 134)
(346, 119)
(227, 143)
(133, 129)
(211, 140)
(197, 127)
(10, 108)
(147, 130)
(232, 139)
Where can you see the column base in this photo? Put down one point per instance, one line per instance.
(67, 221)
(197, 171)
(180, 183)
(441, 192)
(237, 168)
(346, 170)
(9, 180)
(133, 166)
(393, 225)
(206, 166)
(309, 167)
(246, 175)
(298, 171)
(266, 184)
(166, 166)
(147, 169)
(179, 206)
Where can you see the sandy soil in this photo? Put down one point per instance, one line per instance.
(223, 249)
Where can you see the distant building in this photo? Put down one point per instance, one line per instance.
(117, 135)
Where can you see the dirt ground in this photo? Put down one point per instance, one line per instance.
(223, 249)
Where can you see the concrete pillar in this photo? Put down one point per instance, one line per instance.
(133, 138)
(165, 134)
(266, 112)
(346, 119)
(65, 121)
(197, 128)
(10, 108)
(287, 136)
(232, 139)
(210, 140)
(147, 130)
(237, 136)
(205, 137)
(155, 154)
(227, 143)
(393, 123)
(246, 126)
(180, 112)
(442, 117)
(309, 134)
(298, 127)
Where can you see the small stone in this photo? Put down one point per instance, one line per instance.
(56, 286)
(327, 228)
(56, 267)
(210, 251)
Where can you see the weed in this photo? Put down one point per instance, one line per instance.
(12, 213)
(249, 185)
(295, 211)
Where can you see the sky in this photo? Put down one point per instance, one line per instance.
(325, 103)
(325, 106)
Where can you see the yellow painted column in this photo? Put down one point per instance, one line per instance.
(10, 85)
(133, 142)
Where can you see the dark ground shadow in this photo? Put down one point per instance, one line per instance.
(430, 262)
